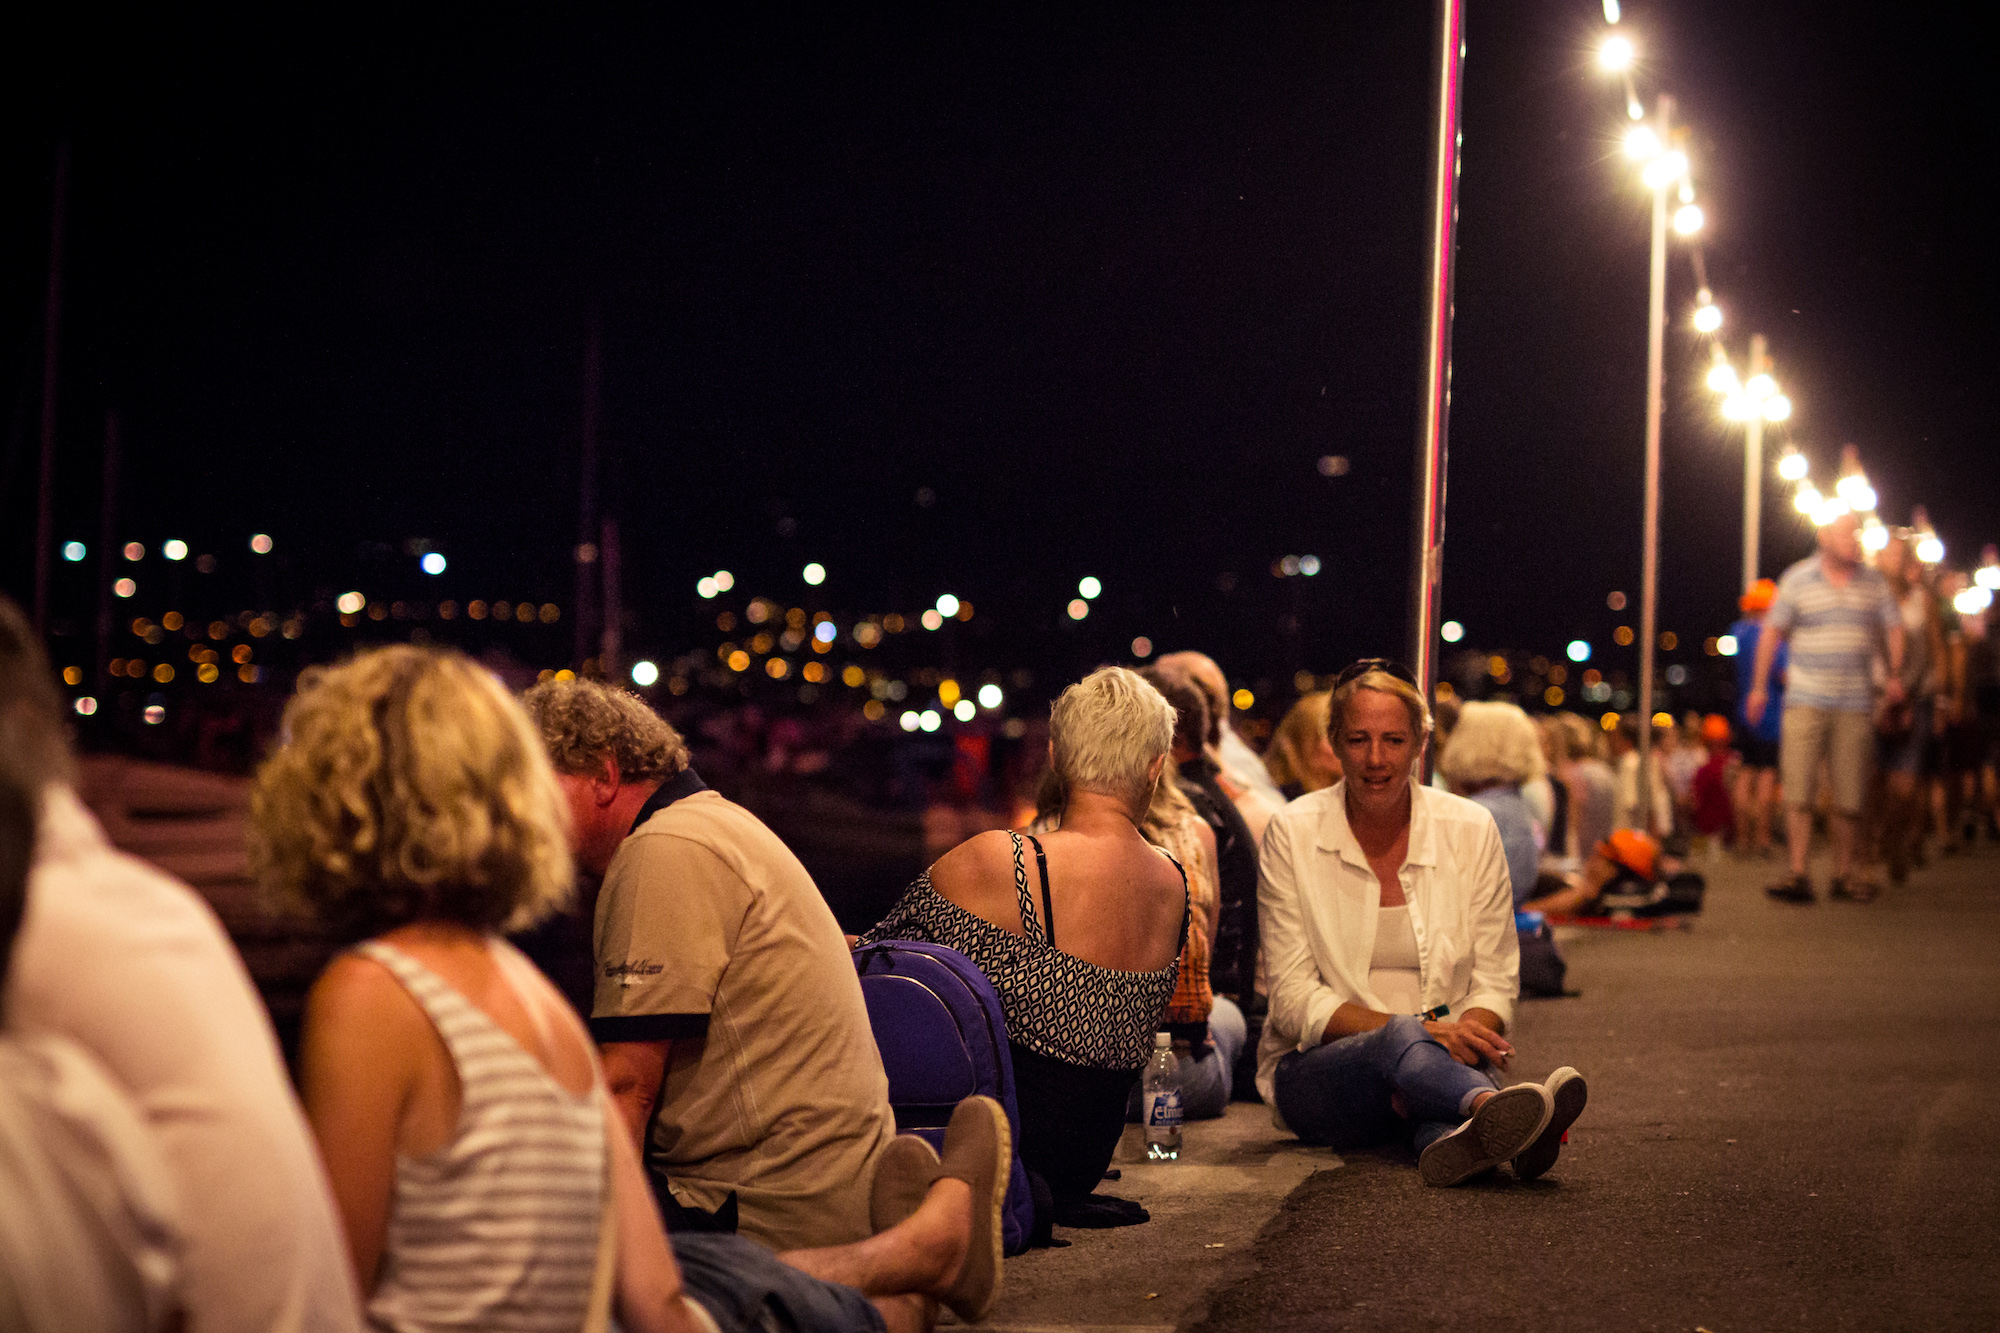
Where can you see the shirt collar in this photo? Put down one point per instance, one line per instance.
(1336, 835)
(685, 783)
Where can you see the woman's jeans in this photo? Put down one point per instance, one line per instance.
(1338, 1094)
(1205, 1076)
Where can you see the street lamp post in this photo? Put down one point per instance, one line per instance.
(1753, 470)
(1662, 175)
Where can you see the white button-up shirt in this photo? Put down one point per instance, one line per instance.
(1318, 901)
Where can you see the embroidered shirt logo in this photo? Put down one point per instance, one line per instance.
(631, 972)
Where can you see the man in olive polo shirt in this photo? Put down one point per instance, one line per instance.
(734, 1036)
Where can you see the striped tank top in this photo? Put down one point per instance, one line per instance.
(498, 1229)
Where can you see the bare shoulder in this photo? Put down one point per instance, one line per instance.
(357, 993)
(978, 860)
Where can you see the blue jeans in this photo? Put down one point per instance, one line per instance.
(1337, 1095)
(746, 1289)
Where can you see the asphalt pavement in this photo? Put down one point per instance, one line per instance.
(1794, 1122)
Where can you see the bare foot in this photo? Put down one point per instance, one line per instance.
(940, 1234)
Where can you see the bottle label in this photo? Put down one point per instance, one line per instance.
(1165, 1111)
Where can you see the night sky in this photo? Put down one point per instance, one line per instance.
(983, 301)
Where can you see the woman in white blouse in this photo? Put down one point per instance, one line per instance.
(1391, 958)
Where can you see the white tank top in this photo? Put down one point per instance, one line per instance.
(1394, 969)
(498, 1228)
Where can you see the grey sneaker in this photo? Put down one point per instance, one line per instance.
(1567, 1094)
(1504, 1125)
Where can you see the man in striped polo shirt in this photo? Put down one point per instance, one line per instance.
(1834, 613)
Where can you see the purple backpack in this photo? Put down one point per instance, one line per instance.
(938, 1025)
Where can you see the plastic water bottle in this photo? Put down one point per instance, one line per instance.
(1162, 1091)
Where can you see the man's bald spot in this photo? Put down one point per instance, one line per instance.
(1202, 669)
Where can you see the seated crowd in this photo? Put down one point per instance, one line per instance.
(711, 1144)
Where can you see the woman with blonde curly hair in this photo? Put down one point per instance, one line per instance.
(454, 1096)
(480, 1168)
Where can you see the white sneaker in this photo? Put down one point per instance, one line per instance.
(1567, 1094)
(1504, 1125)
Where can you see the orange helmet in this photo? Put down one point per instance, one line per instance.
(1632, 850)
(1758, 597)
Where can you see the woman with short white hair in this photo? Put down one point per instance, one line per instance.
(1084, 951)
(1391, 958)
(1493, 752)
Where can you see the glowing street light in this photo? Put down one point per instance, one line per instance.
(1988, 573)
(645, 674)
(1753, 402)
(1642, 143)
(1707, 319)
(1874, 536)
(1664, 170)
(1930, 548)
(433, 562)
(1616, 54)
(814, 574)
(1793, 466)
(1807, 498)
(1089, 587)
(947, 605)
(1688, 220)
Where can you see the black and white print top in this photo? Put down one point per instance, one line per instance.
(1055, 1004)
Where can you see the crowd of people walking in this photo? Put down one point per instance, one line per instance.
(707, 1139)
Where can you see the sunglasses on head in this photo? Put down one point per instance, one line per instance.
(1368, 664)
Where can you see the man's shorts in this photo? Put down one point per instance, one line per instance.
(1756, 751)
(746, 1290)
(1844, 741)
(1913, 752)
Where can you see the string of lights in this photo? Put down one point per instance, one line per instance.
(1753, 398)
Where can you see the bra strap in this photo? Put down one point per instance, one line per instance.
(1187, 898)
(1048, 904)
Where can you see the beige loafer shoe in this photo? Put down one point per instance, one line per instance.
(979, 1150)
(904, 1173)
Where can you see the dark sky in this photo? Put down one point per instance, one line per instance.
(1105, 283)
